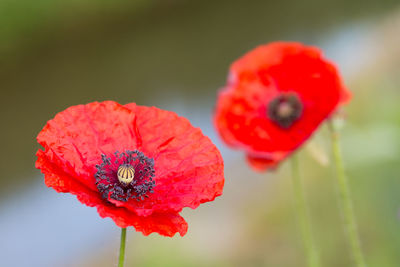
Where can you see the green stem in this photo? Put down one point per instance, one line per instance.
(301, 208)
(349, 218)
(122, 248)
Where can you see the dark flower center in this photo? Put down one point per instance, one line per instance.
(285, 109)
(125, 175)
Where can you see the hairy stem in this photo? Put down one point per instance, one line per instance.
(122, 248)
(303, 216)
(349, 218)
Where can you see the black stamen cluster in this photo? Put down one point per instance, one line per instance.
(286, 120)
(107, 178)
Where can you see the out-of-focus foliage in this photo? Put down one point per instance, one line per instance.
(21, 21)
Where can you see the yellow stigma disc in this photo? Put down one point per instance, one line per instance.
(126, 173)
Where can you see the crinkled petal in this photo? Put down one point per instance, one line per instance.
(166, 224)
(189, 167)
(75, 139)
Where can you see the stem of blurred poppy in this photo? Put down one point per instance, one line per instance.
(122, 248)
(303, 216)
(349, 217)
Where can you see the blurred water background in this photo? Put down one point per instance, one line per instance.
(175, 55)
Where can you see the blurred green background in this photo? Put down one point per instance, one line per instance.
(175, 55)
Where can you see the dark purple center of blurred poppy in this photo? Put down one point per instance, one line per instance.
(285, 109)
(125, 175)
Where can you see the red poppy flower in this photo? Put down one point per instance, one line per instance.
(138, 165)
(276, 97)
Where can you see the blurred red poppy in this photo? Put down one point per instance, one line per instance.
(138, 165)
(275, 98)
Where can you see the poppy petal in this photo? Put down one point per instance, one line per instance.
(189, 167)
(75, 139)
(166, 224)
(258, 79)
(262, 163)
